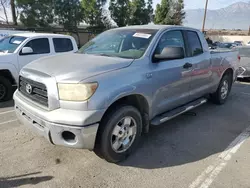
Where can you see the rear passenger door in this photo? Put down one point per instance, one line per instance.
(201, 65)
(40, 47)
(62, 45)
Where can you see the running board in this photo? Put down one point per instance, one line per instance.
(178, 111)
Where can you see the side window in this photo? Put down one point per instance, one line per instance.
(194, 43)
(39, 46)
(170, 39)
(62, 45)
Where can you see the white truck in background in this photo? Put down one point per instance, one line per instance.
(8, 32)
(19, 49)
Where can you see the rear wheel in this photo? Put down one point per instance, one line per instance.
(222, 93)
(6, 90)
(119, 134)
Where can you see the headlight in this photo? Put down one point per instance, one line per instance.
(76, 92)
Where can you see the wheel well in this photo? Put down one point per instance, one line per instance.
(8, 75)
(230, 73)
(139, 102)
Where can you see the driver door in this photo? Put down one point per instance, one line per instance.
(171, 78)
(40, 47)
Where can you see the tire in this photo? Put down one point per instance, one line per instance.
(6, 90)
(107, 138)
(220, 96)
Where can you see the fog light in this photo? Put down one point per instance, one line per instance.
(69, 137)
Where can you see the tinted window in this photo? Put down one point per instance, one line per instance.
(170, 39)
(194, 43)
(39, 46)
(62, 45)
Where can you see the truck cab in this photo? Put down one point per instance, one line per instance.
(18, 50)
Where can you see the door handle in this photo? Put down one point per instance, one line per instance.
(187, 65)
(149, 75)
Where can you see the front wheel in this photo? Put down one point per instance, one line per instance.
(5, 89)
(119, 134)
(222, 93)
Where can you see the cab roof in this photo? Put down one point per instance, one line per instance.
(30, 34)
(155, 27)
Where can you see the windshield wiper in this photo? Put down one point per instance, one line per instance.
(107, 55)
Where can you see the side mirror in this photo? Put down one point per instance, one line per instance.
(170, 53)
(27, 50)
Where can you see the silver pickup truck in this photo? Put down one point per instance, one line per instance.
(106, 95)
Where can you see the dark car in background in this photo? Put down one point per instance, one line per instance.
(238, 43)
(228, 45)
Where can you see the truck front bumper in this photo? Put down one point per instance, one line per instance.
(56, 132)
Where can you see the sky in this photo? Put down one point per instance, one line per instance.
(212, 4)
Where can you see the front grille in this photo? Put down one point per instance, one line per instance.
(37, 92)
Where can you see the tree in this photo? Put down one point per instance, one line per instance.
(170, 12)
(150, 10)
(93, 11)
(13, 11)
(36, 14)
(68, 13)
(178, 13)
(163, 13)
(106, 19)
(139, 13)
(120, 11)
(4, 5)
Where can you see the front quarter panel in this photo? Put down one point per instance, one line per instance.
(120, 83)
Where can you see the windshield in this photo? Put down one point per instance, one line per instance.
(9, 44)
(123, 43)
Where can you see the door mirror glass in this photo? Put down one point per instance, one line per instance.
(170, 53)
(27, 50)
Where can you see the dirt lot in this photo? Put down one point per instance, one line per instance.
(206, 149)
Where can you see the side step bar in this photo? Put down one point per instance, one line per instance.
(178, 111)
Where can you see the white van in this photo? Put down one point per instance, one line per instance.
(18, 50)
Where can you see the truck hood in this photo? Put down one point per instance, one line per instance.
(6, 57)
(74, 67)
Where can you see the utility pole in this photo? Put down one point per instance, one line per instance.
(205, 15)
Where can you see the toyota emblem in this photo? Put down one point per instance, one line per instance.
(28, 89)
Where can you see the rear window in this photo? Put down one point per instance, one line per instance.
(194, 43)
(62, 44)
(244, 52)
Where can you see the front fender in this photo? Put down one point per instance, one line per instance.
(10, 67)
(120, 93)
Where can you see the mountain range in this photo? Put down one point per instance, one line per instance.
(235, 16)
